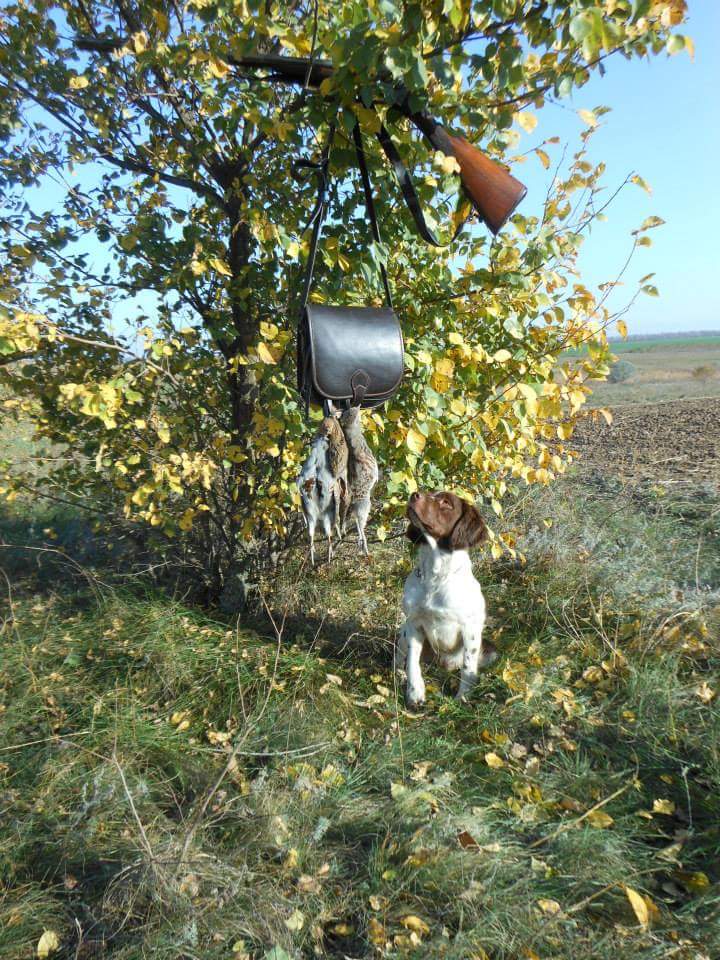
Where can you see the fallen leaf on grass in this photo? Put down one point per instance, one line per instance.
(295, 921)
(695, 882)
(549, 906)
(48, 943)
(276, 953)
(705, 692)
(467, 841)
(415, 924)
(664, 806)
(308, 884)
(643, 907)
(494, 761)
(376, 932)
(599, 819)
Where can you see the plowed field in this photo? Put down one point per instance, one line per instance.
(674, 440)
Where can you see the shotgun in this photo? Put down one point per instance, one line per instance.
(489, 186)
(491, 189)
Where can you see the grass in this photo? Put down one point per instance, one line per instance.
(176, 785)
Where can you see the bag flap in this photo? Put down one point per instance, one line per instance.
(352, 342)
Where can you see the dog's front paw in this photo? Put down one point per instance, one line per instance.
(415, 696)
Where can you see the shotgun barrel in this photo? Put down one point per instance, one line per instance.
(490, 187)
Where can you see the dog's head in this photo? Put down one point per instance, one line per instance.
(453, 523)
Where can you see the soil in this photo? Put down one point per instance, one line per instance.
(670, 441)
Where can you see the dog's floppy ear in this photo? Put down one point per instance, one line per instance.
(413, 534)
(469, 531)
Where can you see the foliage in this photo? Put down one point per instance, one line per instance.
(570, 810)
(153, 239)
(705, 371)
(621, 371)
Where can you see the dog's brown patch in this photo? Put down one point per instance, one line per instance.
(453, 522)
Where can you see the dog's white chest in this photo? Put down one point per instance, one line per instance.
(442, 597)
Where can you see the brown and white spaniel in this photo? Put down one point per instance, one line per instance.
(443, 603)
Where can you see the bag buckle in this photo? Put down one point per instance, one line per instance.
(359, 382)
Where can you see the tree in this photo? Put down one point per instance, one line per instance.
(151, 171)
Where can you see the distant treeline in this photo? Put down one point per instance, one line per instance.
(680, 334)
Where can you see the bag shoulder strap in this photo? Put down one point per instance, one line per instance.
(370, 204)
(318, 214)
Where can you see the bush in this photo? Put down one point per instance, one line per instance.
(705, 371)
(621, 371)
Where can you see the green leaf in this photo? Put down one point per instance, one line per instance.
(581, 25)
(277, 953)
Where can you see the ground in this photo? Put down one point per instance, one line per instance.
(175, 784)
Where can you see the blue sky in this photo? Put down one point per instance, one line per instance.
(664, 124)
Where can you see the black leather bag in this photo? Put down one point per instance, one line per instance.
(346, 355)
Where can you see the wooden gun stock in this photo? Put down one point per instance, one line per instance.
(492, 190)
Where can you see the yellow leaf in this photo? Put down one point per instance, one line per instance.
(415, 441)
(643, 907)
(529, 396)
(664, 806)
(78, 83)
(197, 266)
(161, 21)
(445, 367)
(221, 266)
(415, 924)
(528, 121)
(265, 354)
(696, 882)
(376, 931)
(606, 415)
(218, 68)
(295, 921)
(494, 761)
(268, 331)
(293, 249)
(458, 407)
(48, 943)
(502, 356)
(139, 41)
(705, 692)
(445, 163)
(588, 117)
(543, 157)
(599, 819)
(640, 182)
(549, 906)
(622, 329)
